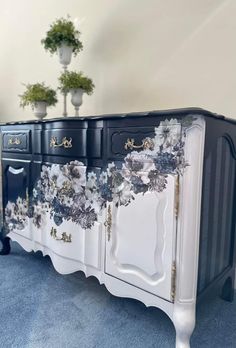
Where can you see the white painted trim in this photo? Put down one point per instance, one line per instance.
(189, 235)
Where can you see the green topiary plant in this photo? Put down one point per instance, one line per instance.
(75, 80)
(38, 92)
(62, 31)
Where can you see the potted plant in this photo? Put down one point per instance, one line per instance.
(62, 38)
(38, 96)
(77, 84)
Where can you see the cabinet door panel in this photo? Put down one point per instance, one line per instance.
(16, 182)
(67, 223)
(141, 248)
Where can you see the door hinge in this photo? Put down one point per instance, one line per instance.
(173, 281)
(177, 191)
(108, 223)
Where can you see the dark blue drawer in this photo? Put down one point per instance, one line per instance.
(16, 141)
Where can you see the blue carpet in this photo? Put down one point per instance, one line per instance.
(43, 309)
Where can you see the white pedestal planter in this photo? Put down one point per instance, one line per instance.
(40, 109)
(77, 99)
(65, 54)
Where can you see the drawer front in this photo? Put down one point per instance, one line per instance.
(16, 141)
(123, 141)
(65, 142)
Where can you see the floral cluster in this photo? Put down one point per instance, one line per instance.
(69, 192)
(16, 214)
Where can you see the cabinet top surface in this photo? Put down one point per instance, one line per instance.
(181, 112)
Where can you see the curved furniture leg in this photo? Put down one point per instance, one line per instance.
(227, 293)
(184, 322)
(6, 247)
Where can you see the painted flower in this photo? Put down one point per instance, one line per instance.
(103, 178)
(75, 171)
(111, 168)
(167, 135)
(35, 193)
(69, 194)
(138, 186)
(166, 163)
(157, 182)
(92, 180)
(123, 195)
(85, 217)
(137, 162)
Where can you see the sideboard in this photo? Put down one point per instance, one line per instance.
(142, 201)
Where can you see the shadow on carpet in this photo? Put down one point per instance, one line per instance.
(43, 309)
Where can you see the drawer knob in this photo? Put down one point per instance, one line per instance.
(147, 144)
(66, 143)
(64, 236)
(14, 141)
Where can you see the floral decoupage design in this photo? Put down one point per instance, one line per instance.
(68, 192)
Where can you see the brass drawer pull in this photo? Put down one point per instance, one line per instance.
(147, 144)
(14, 141)
(108, 223)
(64, 237)
(66, 143)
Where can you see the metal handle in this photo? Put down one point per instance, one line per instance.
(147, 144)
(66, 143)
(108, 223)
(64, 236)
(14, 141)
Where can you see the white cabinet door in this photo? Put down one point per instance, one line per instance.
(140, 248)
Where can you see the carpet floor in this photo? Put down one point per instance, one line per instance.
(40, 308)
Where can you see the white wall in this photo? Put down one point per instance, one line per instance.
(142, 55)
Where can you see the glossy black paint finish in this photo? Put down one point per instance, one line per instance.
(218, 218)
(101, 139)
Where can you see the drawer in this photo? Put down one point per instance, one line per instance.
(123, 141)
(65, 142)
(16, 141)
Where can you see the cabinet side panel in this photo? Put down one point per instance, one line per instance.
(218, 196)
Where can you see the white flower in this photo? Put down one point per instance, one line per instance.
(92, 179)
(10, 226)
(110, 168)
(60, 181)
(69, 202)
(122, 194)
(77, 182)
(92, 176)
(103, 178)
(167, 134)
(19, 201)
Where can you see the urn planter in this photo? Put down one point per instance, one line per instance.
(65, 54)
(40, 109)
(77, 99)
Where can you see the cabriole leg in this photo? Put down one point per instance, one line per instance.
(184, 322)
